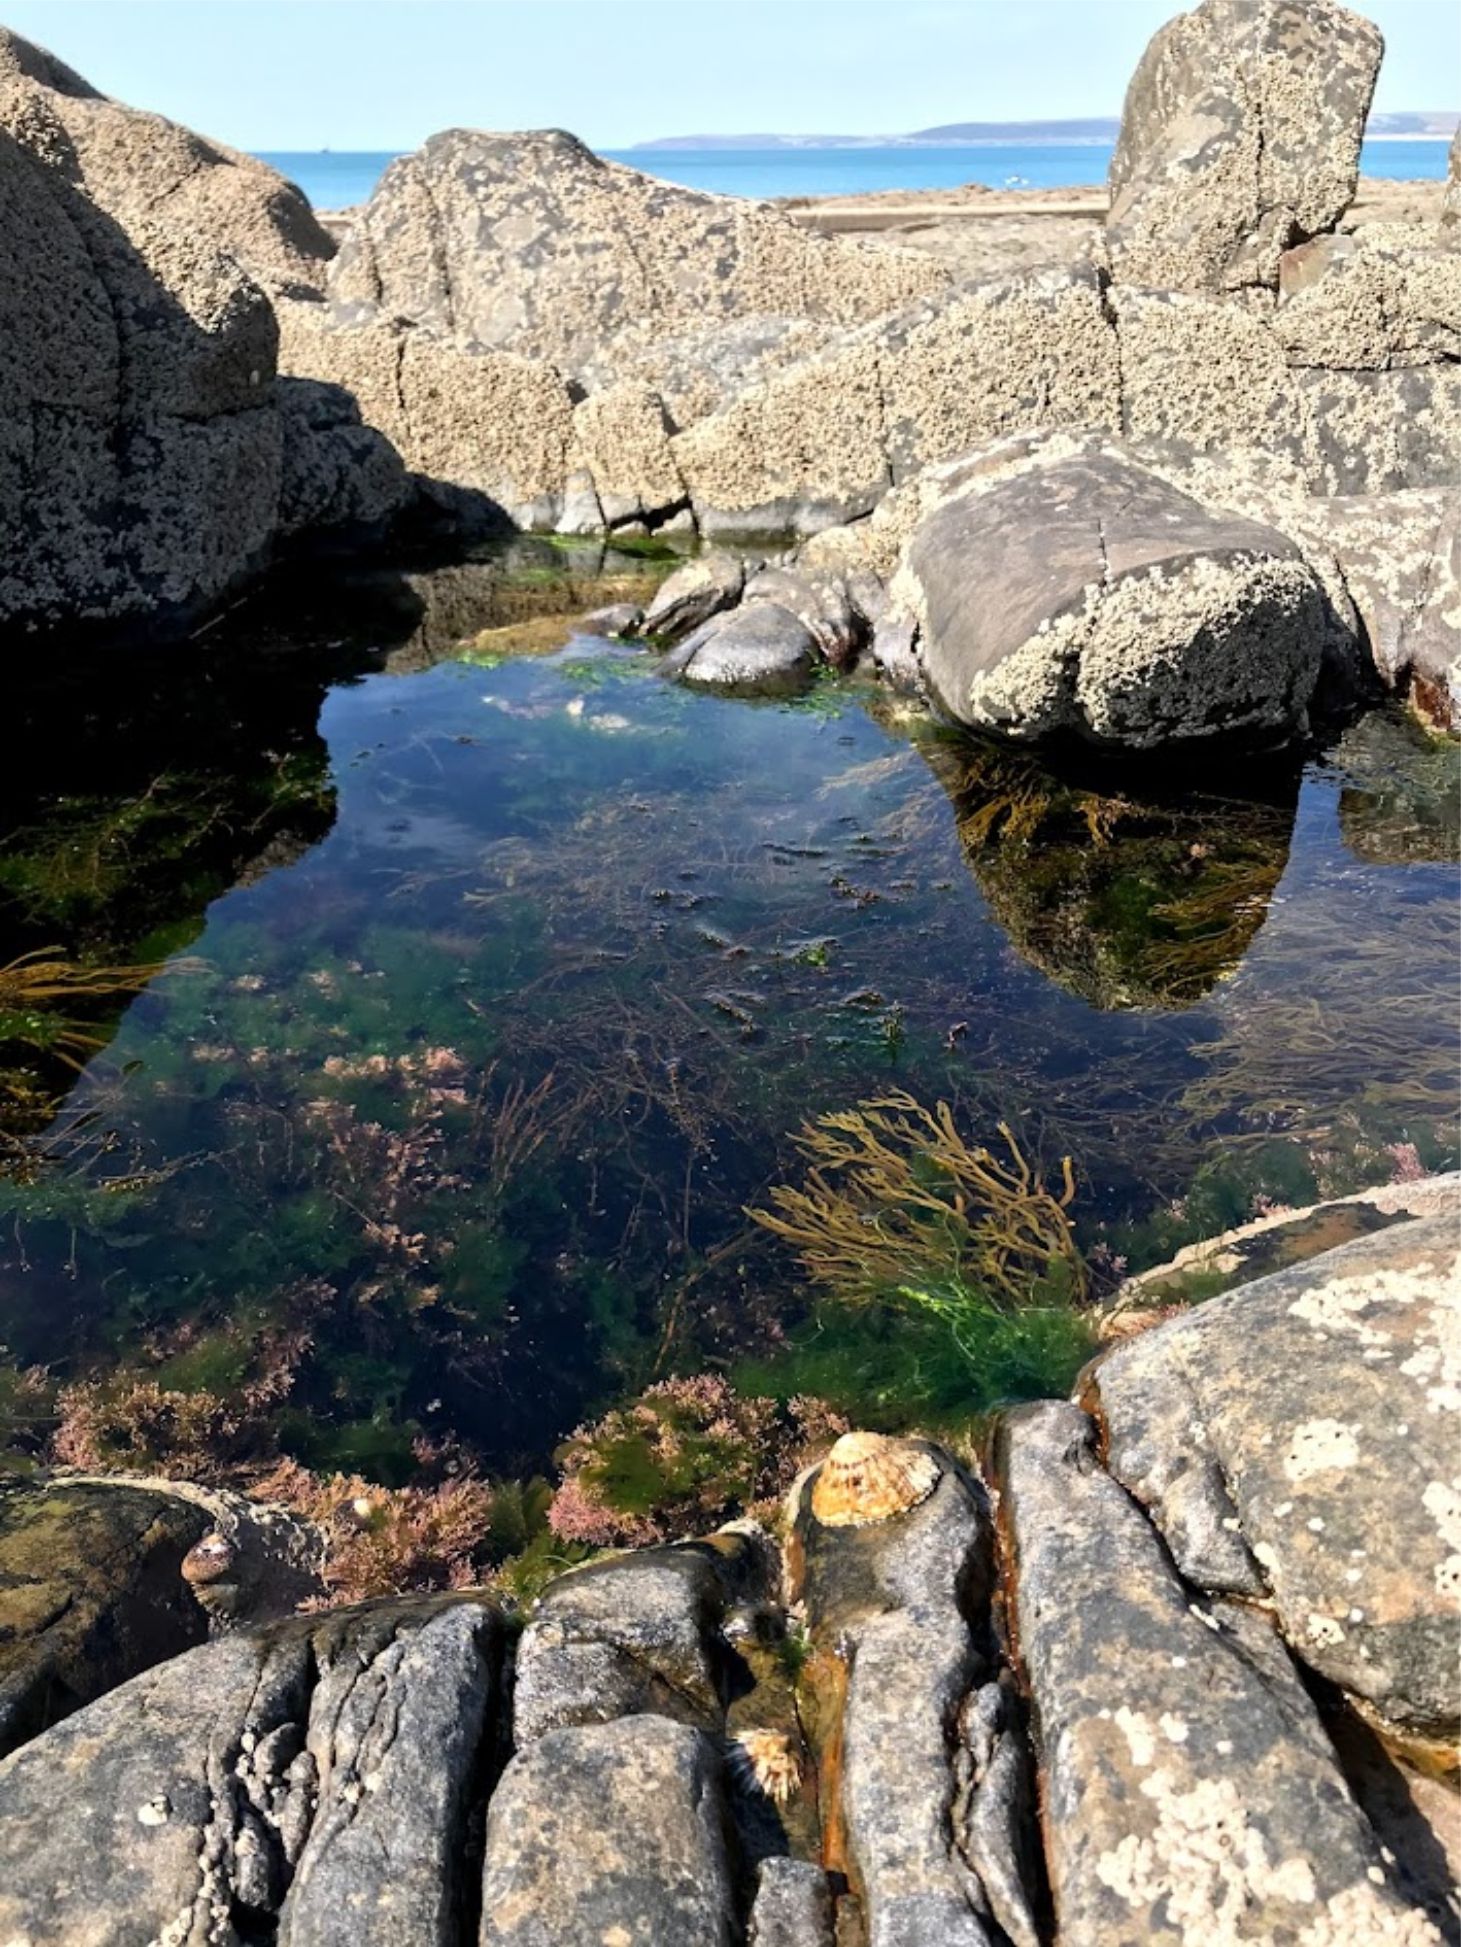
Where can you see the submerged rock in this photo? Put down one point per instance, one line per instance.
(100, 1579)
(1128, 901)
(1240, 136)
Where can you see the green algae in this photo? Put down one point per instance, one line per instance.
(520, 964)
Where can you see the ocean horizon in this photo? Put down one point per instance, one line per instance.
(334, 179)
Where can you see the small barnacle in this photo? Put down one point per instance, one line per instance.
(868, 1477)
(767, 1761)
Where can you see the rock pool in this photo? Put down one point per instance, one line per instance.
(499, 973)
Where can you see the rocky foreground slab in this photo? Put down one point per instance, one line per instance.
(1181, 1666)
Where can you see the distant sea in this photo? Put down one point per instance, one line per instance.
(335, 181)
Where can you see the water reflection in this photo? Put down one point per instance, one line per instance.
(1401, 801)
(1126, 897)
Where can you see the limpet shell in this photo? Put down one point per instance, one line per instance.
(868, 1477)
(209, 1560)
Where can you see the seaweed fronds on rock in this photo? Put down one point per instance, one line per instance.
(388, 1541)
(686, 1455)
(894, 1193)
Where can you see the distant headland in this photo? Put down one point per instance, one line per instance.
(1411, 125)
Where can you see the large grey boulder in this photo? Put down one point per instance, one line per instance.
(530, 243)
(1079, 592)
(1240, 137)
(311, 1782)
(100, 1579)
(610, 1833)
(140, 453)
(140, 167)
(143, 458)
(1190, 1794)
(1296, 1440)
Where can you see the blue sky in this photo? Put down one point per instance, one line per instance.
(383, 74)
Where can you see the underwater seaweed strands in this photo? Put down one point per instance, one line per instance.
(34, 987)
(1369, 1026)
(893, 1191)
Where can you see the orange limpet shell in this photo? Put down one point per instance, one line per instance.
(868, 1477)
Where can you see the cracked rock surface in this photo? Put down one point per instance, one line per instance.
(1081, 1704)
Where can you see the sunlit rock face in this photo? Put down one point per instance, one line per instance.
(148, 467)
(1240, 136)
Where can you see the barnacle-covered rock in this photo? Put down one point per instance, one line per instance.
(1079, 593)
(1297, 1437)
(1189, 1792)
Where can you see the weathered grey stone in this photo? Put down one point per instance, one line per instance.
(1085, 594)
(530, 243)
(638, 1633)
(692, 594)
(891, 1601)
(621, 449)
(1399, 557)
(1284, 1237)
(489, 435)
(1451, 208)
(822, 442)
(142, 451)
(618, 620)
(1305, 1425)
(758, 649)
(1380, 432)
(824, 604)
(1189, 1793)
(95, 1584)
(197, 1801)
(793, 1905)
(139, 452)
(339, 475)
(609, 1833)
(1371, 300)
(1240, 137)
(398, 1717)
(997, 1820)
(142, 168)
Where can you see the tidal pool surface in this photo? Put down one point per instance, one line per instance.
(500, 972)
